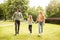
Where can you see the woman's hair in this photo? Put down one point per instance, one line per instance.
(40, 12)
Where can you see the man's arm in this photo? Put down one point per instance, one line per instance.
(13, 16)
(21, 15)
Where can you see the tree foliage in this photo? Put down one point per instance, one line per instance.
(10, 6)
(34, 12)
(53, 9)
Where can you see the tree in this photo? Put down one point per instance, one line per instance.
(34, 12)
(1, 12)
(53, 9)
(10, 6)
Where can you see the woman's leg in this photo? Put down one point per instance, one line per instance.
(41, 27)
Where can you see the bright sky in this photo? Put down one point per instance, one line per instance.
(42, 3)
(32, 3)
(1, 1)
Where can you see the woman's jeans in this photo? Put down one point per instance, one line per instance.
(40, 26)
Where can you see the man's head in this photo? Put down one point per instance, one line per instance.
(18, 10)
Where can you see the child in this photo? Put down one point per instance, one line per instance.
(30, 20)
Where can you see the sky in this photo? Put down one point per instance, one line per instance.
(42, 3)
(1, 1)
(32, 3)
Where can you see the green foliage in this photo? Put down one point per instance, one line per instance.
(1, 12)
(34, 12)
(10, 6)
(53, 9)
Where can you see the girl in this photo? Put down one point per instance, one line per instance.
(30, 20)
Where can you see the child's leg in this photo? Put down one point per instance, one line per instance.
(30, 28)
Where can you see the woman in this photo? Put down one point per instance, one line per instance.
(41, 21)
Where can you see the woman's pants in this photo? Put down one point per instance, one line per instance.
(17, 26)
(40, 26)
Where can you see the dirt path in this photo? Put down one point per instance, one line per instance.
(6, 24)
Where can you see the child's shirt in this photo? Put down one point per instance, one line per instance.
(30, 21)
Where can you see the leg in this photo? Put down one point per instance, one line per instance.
(18, 26)
(41, 27)
(15, 27)
(30, 28)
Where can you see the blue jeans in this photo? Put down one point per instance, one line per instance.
(40, 26)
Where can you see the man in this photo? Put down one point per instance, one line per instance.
(16, 17)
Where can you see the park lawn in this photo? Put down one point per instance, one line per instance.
(51, 32)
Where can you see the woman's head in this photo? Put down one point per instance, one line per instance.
(40, 12)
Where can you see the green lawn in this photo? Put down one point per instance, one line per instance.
(51, 32)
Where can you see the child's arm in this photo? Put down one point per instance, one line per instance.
(37, 20)
(32, 21)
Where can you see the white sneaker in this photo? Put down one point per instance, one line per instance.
(40, 34)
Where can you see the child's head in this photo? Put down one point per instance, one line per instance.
(30, 16)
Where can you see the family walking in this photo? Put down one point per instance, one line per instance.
(40, 19)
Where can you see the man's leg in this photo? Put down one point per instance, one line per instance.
(18, 26)
(15, 27)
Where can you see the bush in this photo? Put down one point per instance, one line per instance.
(53, 20)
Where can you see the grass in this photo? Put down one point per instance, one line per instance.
(51, 32)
